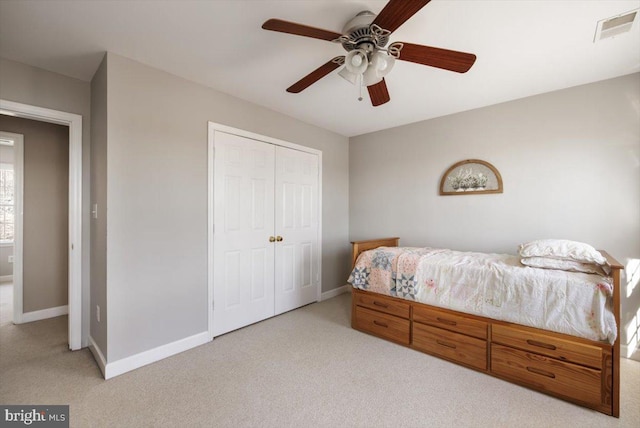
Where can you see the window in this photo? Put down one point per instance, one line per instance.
(7, 200)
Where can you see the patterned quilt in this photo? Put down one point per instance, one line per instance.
(492, 285)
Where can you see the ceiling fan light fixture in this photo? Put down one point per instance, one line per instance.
(348, 76)
(356, 61)
(383, 62)
(380, 65)
(371, 77)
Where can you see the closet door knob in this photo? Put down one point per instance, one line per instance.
(272, 239)
(279, 238)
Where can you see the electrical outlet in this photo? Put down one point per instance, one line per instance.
(10, 259)
(98, 313)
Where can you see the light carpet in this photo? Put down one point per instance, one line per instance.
(305, 368)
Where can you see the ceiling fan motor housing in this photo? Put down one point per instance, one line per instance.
(358, 31)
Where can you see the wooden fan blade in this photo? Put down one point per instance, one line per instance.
(396, 12)
(378, 93)
(460, 62)
(316, 75)
(299, 29)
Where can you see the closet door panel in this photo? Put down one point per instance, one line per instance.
(296, 214)
(243, 257)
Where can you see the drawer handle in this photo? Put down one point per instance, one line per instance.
(541, 344)
(444, 321)
(382, 305)
(381, 324)
(448, 345)
(541, 372)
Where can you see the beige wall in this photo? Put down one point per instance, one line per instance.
(157, 181)
(46, 212)
(34, 86)
(6, 268)
(569, 161)
(99, 197)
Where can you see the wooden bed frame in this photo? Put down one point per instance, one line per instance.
(582, 371)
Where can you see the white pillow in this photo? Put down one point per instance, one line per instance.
(568, 265)
(562, 249)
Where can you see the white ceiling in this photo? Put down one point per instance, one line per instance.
(523, 48)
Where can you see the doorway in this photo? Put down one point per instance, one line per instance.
(11, 162)
(74, 122)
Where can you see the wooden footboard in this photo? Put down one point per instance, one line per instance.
(579, 370)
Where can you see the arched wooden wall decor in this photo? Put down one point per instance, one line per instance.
(471, 177)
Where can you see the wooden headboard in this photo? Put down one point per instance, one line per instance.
(359, 246)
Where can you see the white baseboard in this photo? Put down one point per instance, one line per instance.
(98, 355)
(6, 278)
(632, 354)
(335, 292)
(151, 356)
(44, 314)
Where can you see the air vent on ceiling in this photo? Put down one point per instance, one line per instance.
(615, 25)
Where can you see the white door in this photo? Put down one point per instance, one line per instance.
(296, 213)
(243, 257)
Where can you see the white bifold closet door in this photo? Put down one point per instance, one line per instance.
(265, 231)
(243, 290)
(296, 216)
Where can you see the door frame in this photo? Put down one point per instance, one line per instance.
(74, 122)
(18, 180)
(212, 127)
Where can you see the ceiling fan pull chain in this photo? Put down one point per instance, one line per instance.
(360, 81)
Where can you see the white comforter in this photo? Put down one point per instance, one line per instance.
(492, 285)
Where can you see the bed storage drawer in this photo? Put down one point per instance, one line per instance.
(387, 326)
(453, 346)
(450, 321)
(546, 374)
(565, 350)
(383, 304)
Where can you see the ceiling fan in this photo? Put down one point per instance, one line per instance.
(367, 61)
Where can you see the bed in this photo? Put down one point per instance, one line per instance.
(552, 331)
